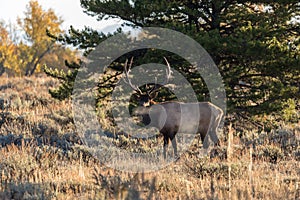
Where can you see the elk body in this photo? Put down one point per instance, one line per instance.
(171, 118)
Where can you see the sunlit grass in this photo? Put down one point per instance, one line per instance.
(42, 157)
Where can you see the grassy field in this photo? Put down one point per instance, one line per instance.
(42, 157)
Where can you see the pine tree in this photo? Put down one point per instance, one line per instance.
(254, 44)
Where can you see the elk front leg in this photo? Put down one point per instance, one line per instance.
(166, 143)
(174, 144)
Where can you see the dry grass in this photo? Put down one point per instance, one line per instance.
(41, 158)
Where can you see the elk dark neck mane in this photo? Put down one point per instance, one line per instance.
(146, 120)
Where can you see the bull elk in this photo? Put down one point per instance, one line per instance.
(174, 117)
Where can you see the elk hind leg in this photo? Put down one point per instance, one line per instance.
(213, 131)
(204, 137)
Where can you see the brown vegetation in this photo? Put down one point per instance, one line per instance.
(41, 158)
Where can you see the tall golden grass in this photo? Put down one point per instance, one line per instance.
(41, 158)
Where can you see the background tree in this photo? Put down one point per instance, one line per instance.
(26, 50)
(8, 49)
(254, 44)
(35, 24)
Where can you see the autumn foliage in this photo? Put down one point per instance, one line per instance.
(25, 48)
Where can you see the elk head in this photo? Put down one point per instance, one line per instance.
(145, 99)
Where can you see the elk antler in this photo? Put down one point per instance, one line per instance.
(165, 82)
(128, 81)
